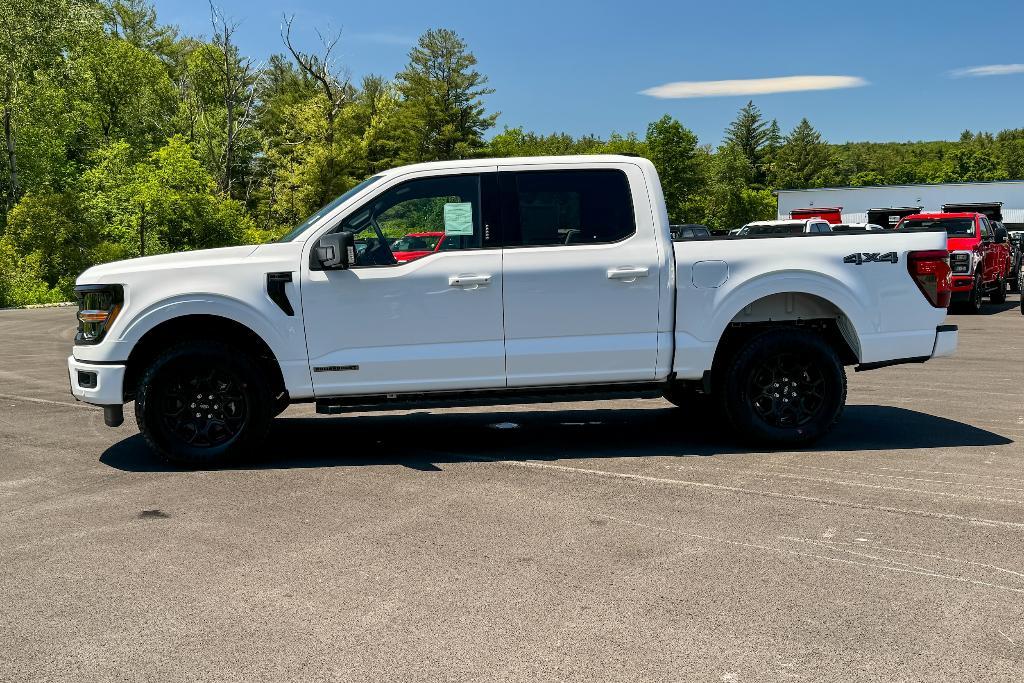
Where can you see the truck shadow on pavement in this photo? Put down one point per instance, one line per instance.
(423, 441)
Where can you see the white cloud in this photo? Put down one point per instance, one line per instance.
(752, 86)
(988, 70)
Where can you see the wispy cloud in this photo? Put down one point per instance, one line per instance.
(988, 70)
(382, 38)
(752, 86)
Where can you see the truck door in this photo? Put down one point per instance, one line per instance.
(581, 275)
(431, 324)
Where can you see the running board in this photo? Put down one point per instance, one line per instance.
(489, 397)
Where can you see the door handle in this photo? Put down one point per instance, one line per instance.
(628, 273)
(470, 281)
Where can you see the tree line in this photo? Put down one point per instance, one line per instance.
(122, 137)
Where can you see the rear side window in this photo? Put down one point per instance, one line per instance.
(556, 208)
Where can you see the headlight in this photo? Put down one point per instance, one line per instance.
(98, 306)
(960, 261)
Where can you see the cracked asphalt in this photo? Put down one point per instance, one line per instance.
(575, 541)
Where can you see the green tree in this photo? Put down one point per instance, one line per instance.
(749, 132)
(673, 150)
(803, 158)
(443, 96)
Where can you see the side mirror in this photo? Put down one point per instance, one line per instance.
(1000, 235)
(336, 251)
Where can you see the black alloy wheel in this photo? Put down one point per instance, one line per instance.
(782, 387)
(202, 403)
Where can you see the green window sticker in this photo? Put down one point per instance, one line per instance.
(458, 218)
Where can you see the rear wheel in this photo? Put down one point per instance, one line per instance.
(202, 403)
(785, 387)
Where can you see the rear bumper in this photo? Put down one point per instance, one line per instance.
(946, 338)
(99, 384)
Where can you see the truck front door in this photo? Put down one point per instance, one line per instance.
(431, 324)
(581, 275)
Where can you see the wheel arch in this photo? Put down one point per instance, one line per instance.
(193, 326)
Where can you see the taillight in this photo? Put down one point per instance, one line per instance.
(931, 272)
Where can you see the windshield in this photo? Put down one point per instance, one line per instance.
(959, 227)
(416, 243)
(300, 228)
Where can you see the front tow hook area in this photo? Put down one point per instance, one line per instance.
(113, 416)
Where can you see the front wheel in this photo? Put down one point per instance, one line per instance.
(201, 403)
(973, 305)
(785, 387)
(998, 295)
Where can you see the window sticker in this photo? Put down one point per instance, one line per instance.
(458, 218)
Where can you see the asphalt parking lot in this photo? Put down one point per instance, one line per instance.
(601, 541)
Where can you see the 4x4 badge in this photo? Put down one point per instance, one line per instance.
(862, 258)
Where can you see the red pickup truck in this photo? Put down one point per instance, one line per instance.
(978, 254)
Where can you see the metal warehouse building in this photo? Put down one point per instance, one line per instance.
(887, 202)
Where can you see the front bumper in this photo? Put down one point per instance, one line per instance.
(99, 384)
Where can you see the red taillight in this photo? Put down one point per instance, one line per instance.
(931, 272)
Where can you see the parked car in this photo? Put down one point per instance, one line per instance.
(856, 227)
(979, 254)
(689, 231)
(784, 227)
(211, 345)
(416, 245)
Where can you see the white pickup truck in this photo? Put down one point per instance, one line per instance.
(557, 279)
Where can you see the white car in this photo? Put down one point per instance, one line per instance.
(790, 226)
(212, 344)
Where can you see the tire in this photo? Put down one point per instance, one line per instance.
(1015, 281)
(230, 424)
(998, 295)
(973, 304)
(784, 387)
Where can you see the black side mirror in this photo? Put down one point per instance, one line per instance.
(336, 251)
(1000, 235)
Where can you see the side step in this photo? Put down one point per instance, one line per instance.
(490, 397)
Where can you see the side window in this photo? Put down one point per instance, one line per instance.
(552, 208)
(986, 232)
(421, 210)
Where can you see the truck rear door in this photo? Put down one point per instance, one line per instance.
(581, 275)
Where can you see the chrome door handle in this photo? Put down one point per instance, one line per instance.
(628, 273)
(470, 281)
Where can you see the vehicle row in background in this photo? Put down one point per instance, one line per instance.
(979, 254)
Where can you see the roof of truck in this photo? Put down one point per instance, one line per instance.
(519, 161)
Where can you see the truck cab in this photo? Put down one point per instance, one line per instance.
(979, 254)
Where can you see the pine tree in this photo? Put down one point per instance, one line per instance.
(443, 99)
(803, 157)
(749, 133)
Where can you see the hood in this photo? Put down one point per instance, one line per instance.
(203, 258)
(963, 243)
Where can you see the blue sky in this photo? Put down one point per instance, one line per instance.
(581, 66)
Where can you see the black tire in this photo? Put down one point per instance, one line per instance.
(784, 387)
(998, 295)
(230, 424)
(974, 301)
(1015, 281)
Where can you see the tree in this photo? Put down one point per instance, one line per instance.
(37, 40)
(673, 149)
(443, 99)
(749, 133)
(133, 97)
(135, 22)
(802, 159)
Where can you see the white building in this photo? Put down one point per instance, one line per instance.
(855, 202)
